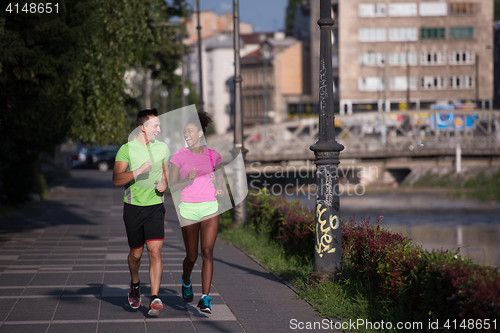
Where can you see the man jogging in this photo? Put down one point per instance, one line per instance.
(143, 211)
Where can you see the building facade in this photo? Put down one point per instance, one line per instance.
(212, 24)
(408, 54)
(217, 68)
(272, 79)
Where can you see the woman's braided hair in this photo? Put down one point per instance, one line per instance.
(204, 120)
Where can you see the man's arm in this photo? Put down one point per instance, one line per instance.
(122, 177)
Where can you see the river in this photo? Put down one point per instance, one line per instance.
(432, 220)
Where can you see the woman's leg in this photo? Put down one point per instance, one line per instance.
(208, 231)
(190, 234)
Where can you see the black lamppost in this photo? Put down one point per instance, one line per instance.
(328, 241)
(240, 210)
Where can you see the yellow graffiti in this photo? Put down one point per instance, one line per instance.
(324, 241)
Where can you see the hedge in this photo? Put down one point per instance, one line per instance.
(440, 284)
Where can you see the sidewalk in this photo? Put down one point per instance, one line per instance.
(63, 268)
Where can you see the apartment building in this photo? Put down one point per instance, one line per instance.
(408, 54)
(272, 79)
(218, 67)
(212, 24)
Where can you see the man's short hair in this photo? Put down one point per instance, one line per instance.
(143, 116)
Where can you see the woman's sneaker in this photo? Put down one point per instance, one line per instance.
(187, 291)
(205, 304)
(134, 296)
(155, 306)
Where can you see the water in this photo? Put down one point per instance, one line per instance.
(431, 220)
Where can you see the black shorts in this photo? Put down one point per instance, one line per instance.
(143, 224)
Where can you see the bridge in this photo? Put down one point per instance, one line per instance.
(378, 135)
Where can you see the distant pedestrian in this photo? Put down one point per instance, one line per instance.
(143, 211)
(192, 171)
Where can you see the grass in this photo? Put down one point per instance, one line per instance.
(480, 187)
(271, 254)
(485, 188)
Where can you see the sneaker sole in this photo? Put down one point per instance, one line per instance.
(155, 308)
(134, 307)
(207, 310)
(188, 300)
(153, 312)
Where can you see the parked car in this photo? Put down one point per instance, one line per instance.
(79, 157)
(102, 158)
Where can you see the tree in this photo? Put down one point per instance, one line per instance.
(62, 77)
(497, 10)
(290, 13)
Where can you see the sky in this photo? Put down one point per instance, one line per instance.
(265, 15)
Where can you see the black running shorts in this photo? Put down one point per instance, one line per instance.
(143, 224)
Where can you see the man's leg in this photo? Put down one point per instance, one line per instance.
(134, 261)
(155, 265)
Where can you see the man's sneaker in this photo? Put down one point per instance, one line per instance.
(187, 291)
(205, 304)
(155, 306)
(134, 296)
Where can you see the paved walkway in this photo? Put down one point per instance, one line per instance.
(63, 268)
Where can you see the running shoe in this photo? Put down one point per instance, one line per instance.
(205, 304)
(134, 296)
(155, 306)
(187, 291)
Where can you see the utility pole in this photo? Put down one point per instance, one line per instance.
(407, 78)
(202, 106)
(328, 240)
(477, 80)
(183, 76)
(267, 55)
(240, 210)
(384, 83)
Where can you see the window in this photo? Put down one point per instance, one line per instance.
(372, 35)
(400, 83)
(462, 8)
(461, 33)
(432, 33)
(371, 84)
(399, 59)
(433, 9)
(433, 58)
(371, 59)
(335, 60)
(403, 9)
(461, 58)
(371, 10)
(432, 82)
(462, 82)
(402, 34)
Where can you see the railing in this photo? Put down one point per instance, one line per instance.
(379, 135)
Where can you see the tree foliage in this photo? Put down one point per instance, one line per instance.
(62, 74)
(291, 9)
(497, 10)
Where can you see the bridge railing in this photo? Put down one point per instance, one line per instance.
(379, 134)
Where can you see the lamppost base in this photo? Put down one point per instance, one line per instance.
(317, 277)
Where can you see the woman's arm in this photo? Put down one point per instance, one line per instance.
(175, 181)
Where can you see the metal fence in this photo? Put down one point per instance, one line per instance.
(379, 135)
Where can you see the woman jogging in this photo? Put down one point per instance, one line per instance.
(191, 172)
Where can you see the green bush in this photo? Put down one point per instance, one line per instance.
(387, 273)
